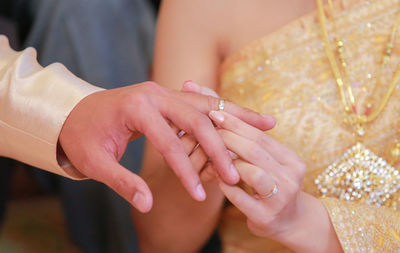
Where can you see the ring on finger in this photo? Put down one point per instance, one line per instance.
(273, 192)
(180, 134)
(221, 104)
(194, 149)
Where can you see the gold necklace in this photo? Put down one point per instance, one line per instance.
(358, 174)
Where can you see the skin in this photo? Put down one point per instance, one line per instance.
(193, 38)
(95, 135)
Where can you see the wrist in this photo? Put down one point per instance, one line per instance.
(311, 229)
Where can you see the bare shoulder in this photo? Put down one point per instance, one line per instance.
(220, 22)
(187, 42)
(200, 15)
(229, 24)
(193, 36)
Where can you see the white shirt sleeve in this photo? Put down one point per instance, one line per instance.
(34, 103)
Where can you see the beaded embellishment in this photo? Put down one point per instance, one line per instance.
(360, 175)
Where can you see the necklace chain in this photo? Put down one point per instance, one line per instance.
(348, 100)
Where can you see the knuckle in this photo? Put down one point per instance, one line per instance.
(121, 184)
(255, 152)
(259, 177)
(301, 169)
(151, 85)
(292, 186)
(262, 139)
(137, 99)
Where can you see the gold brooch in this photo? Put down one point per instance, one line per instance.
(359, 175)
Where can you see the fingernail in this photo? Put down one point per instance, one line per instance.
(270, 117)
(201, 194)
(267, 116)
(139, 201)
(217, 116)
(191, 84)
(234, 174)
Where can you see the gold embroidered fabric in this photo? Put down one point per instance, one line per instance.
(287, 74)
(364, 228)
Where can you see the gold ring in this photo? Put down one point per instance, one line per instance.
(271, 193)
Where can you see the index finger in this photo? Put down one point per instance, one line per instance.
(277, 150)
(196, 123)
(164, 139)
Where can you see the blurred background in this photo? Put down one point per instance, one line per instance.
(109, 44)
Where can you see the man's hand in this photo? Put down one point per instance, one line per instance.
(95, 135)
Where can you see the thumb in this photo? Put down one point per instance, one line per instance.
(124, 182)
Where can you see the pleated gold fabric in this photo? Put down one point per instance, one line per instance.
(287, 74)
(34, 103)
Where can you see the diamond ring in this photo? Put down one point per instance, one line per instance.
(221, 104)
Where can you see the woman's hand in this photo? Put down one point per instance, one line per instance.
(264, 165)
(277, 208)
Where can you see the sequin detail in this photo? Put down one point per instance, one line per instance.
(286, 74)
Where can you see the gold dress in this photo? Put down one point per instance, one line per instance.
(287, 74)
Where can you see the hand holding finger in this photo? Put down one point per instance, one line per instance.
(250, 151)
(277, 150)
(251, 207)
(200, 126)
(166, 141)
(258, 179)
(205, 104)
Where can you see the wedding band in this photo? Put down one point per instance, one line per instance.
(271, 193)
(194, 149)
(221, 104)
(180, 134)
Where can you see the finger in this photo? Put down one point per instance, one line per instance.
(250, 151)
(199, 159)
(189, 143)
(208, 172)
(190, 86)
(199, 125)
(233, 155)
(257, 178)
(243, 201)
(124, 182)
(205, 104)
(174, 128)
(169, 145)
(278, 151)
